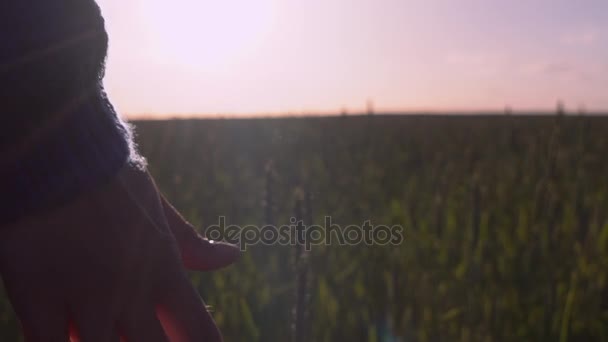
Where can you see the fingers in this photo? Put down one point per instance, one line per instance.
(41, 322)
(143, 325)
(183, 314)
(139, 323)
(44, 326)
(42, 313)
(197, 252)
(93, 329)
(91, 322)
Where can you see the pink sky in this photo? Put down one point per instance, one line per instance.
(190, 57)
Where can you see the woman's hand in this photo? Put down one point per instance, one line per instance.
(110, 265)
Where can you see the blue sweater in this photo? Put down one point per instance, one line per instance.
(58, 138)
(76, 152)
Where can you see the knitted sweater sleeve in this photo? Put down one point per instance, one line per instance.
(78, 151)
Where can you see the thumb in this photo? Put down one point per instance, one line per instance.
(198, 253)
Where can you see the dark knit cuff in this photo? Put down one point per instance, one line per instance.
(84, 150)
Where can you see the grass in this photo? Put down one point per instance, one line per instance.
(506, 222)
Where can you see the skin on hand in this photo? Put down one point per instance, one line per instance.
(110, 266)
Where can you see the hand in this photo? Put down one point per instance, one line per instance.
(110, 266)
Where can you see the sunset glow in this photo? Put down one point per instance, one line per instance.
(207, 35)
(188, 57)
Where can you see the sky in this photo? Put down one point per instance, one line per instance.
(225, 57)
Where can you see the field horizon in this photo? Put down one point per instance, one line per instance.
(455, 113)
